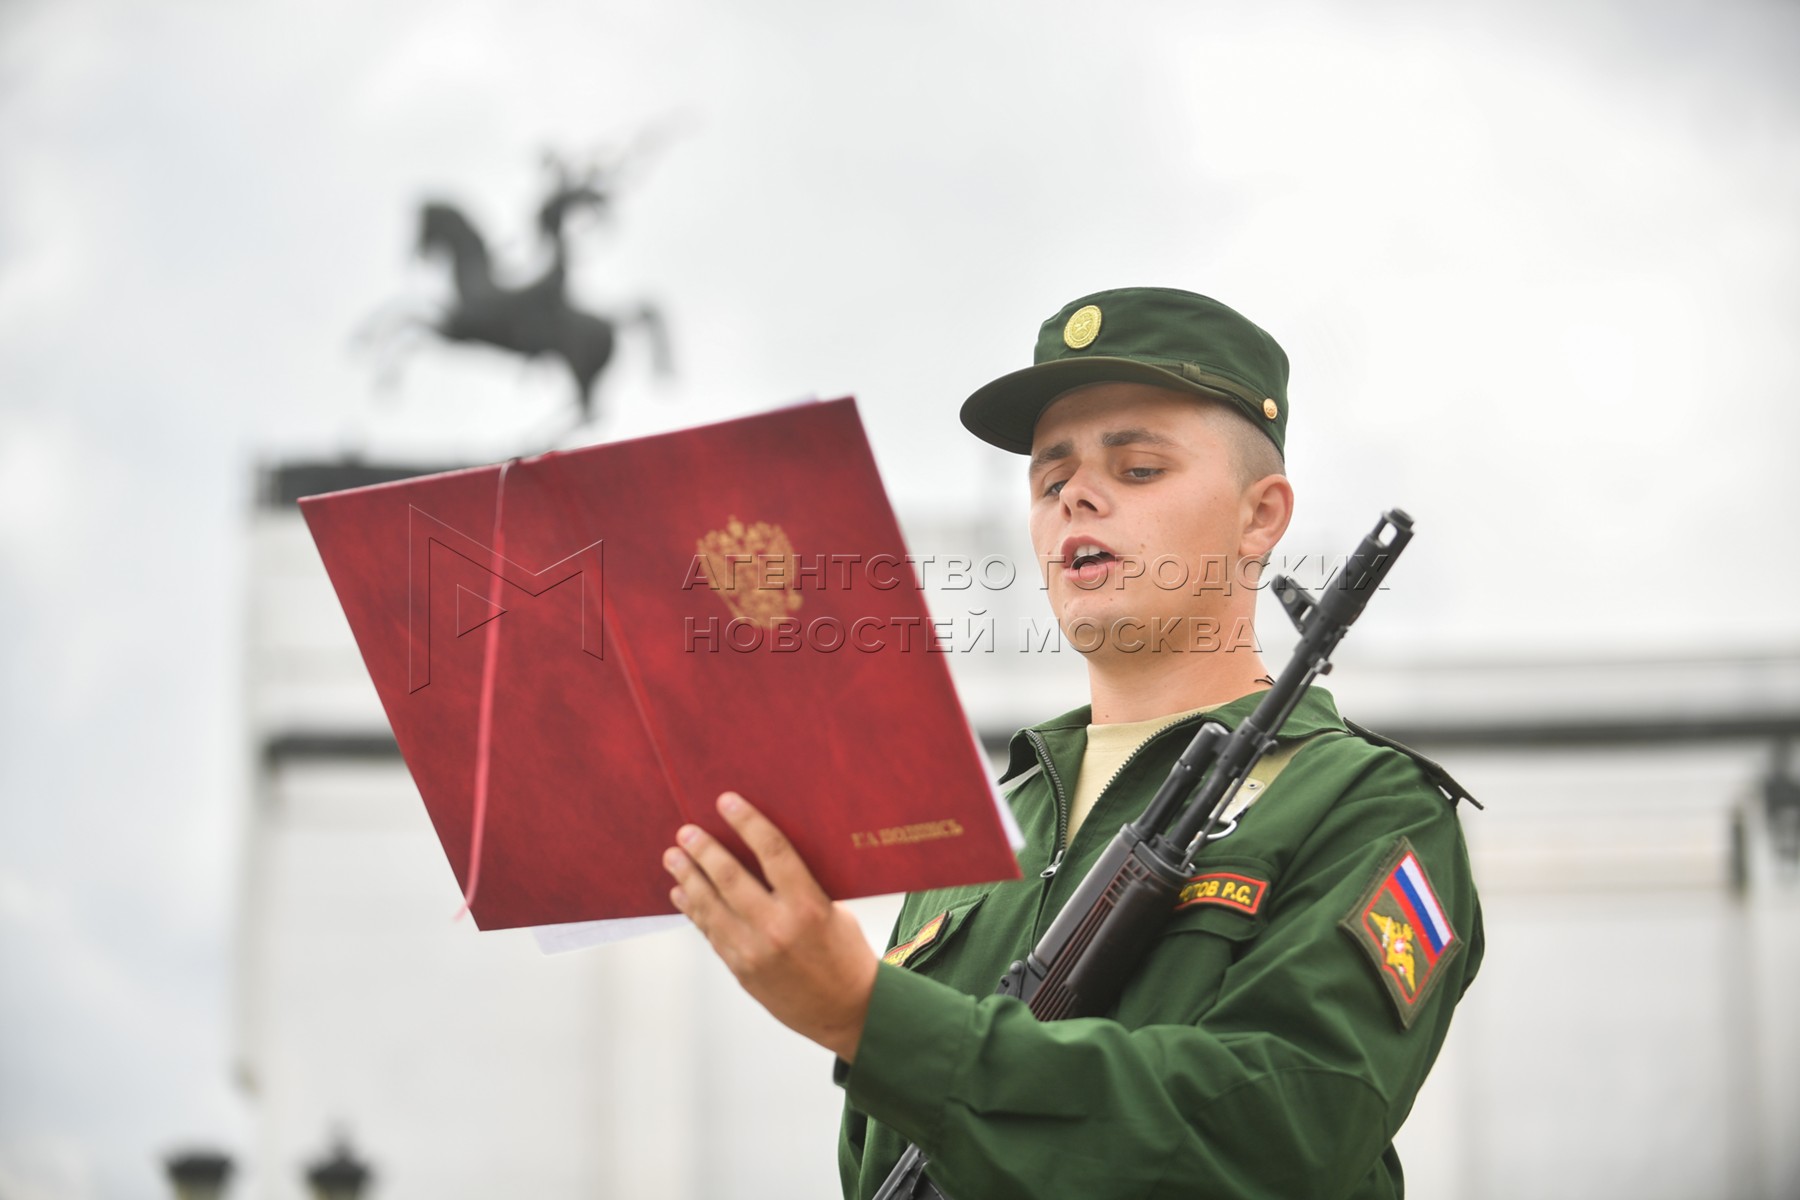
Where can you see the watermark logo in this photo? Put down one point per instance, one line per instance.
(975, 632)
(473, 611)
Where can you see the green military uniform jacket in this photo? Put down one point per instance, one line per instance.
(1270, 1045)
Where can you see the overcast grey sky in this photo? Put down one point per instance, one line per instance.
(1535, 265)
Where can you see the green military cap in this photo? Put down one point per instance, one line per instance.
(1160, 336)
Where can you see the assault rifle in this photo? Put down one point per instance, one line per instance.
(1085, 958)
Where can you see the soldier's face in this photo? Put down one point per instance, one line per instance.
(1136, 512)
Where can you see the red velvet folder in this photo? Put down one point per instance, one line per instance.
(726, 607)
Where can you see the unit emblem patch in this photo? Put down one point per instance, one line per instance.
(927, 934)
(1240, 892)
(1401, 926)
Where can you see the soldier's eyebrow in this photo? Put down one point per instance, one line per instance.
(1116, 437)
(1050, 454)
(1131, 437)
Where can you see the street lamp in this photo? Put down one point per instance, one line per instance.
(198, 1174)
(340, 1176)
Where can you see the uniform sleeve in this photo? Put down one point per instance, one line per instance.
(1291, 1083)
(851, 1130)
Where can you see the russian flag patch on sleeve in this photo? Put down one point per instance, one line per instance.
(1404, 930)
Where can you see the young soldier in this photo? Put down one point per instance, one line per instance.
(1273, 1040)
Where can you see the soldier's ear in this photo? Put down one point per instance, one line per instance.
(1266, 508)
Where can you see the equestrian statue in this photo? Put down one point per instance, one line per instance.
(538, 318)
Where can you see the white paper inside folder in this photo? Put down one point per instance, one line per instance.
(579, 935)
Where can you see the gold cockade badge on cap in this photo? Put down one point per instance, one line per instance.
(1083, 327)
(751, 567)
(1271, 410)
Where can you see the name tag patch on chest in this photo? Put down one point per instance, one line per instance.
(1240, 892)
(1404, 930)
(927, 934)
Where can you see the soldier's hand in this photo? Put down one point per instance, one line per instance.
(802, 957)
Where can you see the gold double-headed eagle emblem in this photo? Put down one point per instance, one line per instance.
(752, 568)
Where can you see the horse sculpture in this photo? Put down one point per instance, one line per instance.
(538, 318)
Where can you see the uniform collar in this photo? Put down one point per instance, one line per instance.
(1315, 713)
